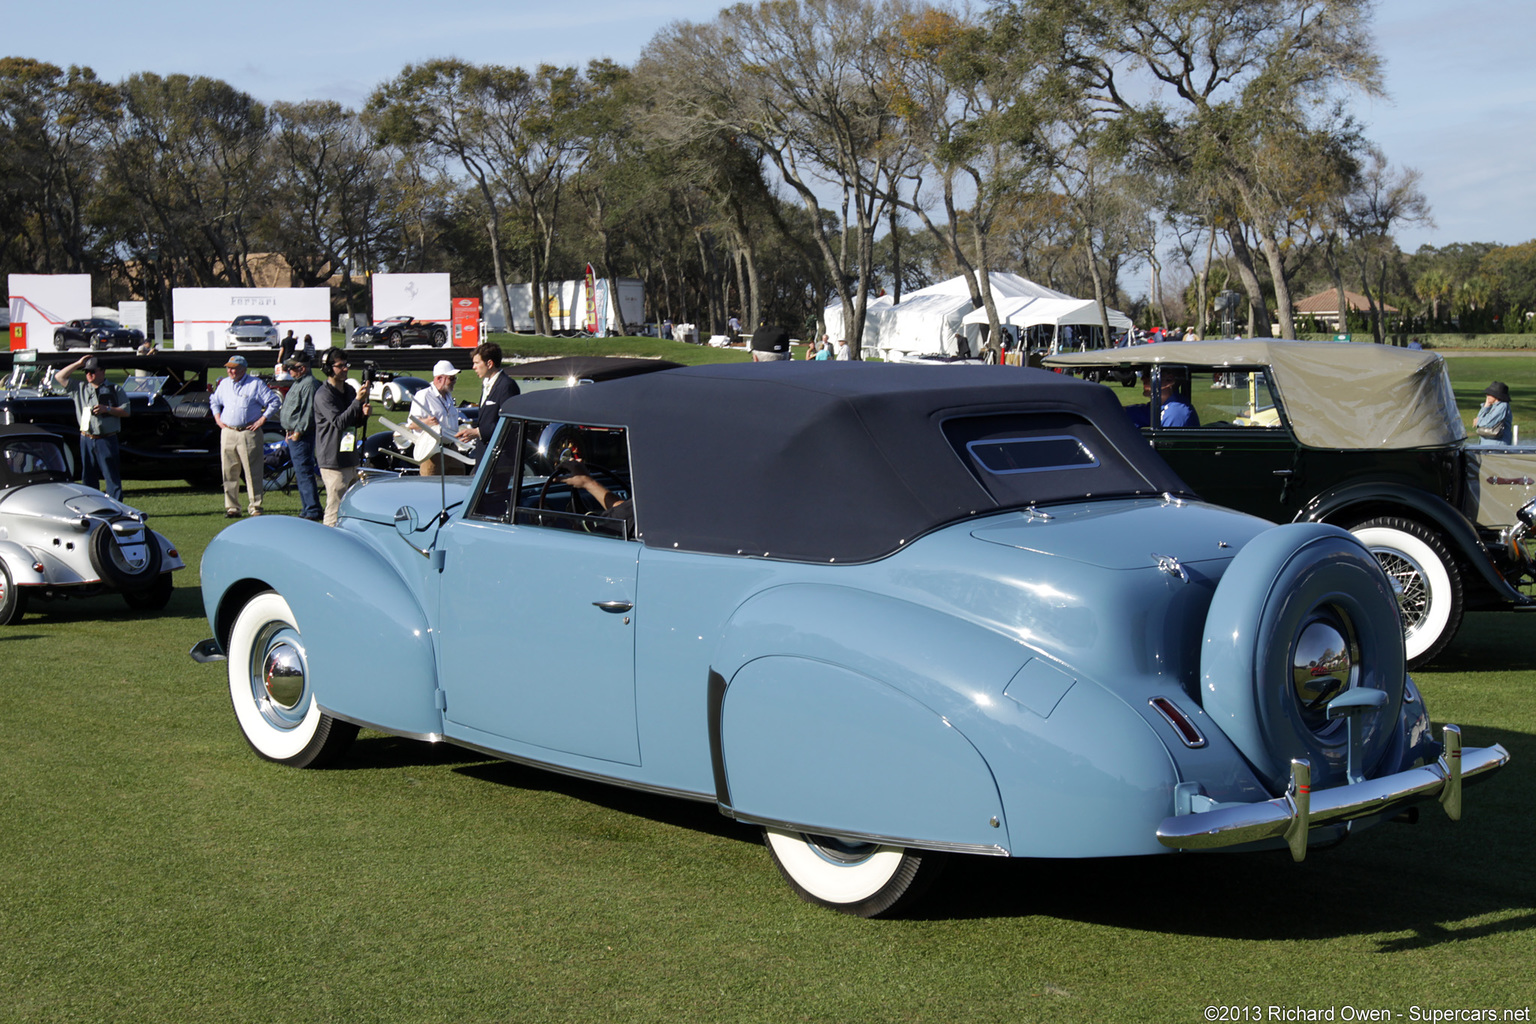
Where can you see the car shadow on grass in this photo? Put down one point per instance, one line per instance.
(186, 603)
(1421, 880)
(1490, 641)
(694, 815)
(377, 751)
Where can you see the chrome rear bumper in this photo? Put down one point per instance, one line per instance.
(1291, 816)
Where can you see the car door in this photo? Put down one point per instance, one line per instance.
(1242, 453)
(537, 622)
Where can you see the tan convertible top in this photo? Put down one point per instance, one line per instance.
(1335, 395)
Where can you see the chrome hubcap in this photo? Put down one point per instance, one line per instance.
(840, 852)
(1324, 663)
(280, 676)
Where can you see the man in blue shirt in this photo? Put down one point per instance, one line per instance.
(1173, 400)
(99, 410)
(241, 406)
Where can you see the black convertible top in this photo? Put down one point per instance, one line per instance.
(845, 462)
(592, 368)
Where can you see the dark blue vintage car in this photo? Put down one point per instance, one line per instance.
(887, 613)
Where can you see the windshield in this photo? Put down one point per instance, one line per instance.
(251, 321)
(28, 377)
(32, 459)
(145, 385)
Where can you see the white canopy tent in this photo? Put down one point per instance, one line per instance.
(927, 320)
(1027, 312)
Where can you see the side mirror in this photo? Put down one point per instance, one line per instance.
(406, 525)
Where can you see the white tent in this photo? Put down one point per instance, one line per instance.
(927, 320)
(1054, 312)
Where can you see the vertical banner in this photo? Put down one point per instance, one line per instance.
(591, 287)
(602, 309)
(466, 323)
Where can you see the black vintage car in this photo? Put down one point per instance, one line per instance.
(169, 433)
(399, 331)
(1366, 437)
(97, 334)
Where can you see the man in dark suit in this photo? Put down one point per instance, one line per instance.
(495, 388)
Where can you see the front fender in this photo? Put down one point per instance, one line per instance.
(367, 638)
(1334, 507)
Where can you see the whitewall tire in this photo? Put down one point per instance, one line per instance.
(863, 879)
(1418, 561)
(271, 690)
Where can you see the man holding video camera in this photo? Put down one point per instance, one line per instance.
(99, 410)
(337, 411)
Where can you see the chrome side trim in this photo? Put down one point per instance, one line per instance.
(983, 849)
(1291, 816)
(426, 737)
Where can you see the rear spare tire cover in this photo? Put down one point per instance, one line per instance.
(1303, 613)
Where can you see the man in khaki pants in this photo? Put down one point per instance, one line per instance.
(241, 406)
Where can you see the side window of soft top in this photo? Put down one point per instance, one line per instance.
(560, 475)
(1227, 398)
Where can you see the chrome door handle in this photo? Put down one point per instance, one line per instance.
(614, 606)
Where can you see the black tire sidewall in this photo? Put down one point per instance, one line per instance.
(13, 603)
(1342, 578)
(101, 543)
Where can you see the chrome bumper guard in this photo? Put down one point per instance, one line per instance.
(205, 651)
(1291, 816)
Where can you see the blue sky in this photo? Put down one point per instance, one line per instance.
(1462, 106)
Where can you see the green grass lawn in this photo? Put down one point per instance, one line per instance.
(154, 869)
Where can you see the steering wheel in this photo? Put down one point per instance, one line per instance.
(580, 502)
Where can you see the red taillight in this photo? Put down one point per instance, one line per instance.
(1175, 717)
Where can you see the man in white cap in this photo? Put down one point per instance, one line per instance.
(434, 406)
(241, 406)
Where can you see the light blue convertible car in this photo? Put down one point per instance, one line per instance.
(887, 613)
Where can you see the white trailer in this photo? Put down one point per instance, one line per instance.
(568, 307)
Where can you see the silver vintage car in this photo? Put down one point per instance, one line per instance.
(60, 539)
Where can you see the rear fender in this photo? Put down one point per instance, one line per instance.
(863, 739)
(22, 564)
(367, 639)
(1343, 506)
(924, 729)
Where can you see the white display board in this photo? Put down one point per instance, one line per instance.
(422, 296)
(202, 314)
(45, 301)
(135, 315)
